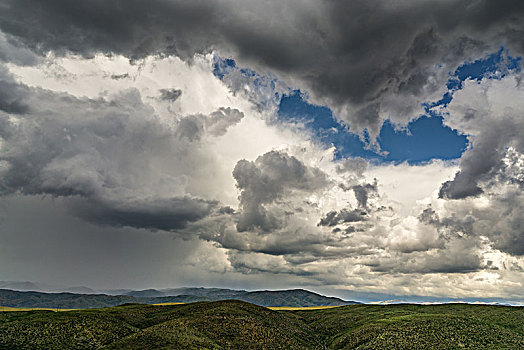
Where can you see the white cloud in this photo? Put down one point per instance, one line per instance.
(409, 184)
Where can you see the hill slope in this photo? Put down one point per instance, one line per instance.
(226, 324)
(239, 325)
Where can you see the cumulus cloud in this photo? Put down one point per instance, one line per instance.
(118, 161)
(266, 180)
(490, 112)
(488, 185)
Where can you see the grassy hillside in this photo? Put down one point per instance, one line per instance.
(239, 325)
(229, 324)
(448, 326)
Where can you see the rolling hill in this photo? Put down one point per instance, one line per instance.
(240, 325)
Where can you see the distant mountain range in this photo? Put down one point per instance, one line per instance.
(211, 294)
(68, 300)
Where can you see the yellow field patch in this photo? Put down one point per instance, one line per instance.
(290, 308)
(7, 308)
(282, 308)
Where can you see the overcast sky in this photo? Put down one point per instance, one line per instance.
(368, 146)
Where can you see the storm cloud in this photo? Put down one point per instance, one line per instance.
(367, 60)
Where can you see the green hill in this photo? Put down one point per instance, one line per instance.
(240, 325)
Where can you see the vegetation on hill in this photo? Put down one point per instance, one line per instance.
(409, 326)
(239, 325)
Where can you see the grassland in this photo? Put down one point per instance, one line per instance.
(240, 325)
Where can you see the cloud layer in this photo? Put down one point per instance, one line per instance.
(110, 115)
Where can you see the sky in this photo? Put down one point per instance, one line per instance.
(347, 147)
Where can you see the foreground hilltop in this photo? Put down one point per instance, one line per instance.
(240, 325)
(293, 298)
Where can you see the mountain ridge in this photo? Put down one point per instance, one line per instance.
(68, 300)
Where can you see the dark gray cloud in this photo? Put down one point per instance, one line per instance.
(485, 159)
(365, 59)
(363, 192)
(132, 28)
(11, 94)
(502, 222)
(429, 216)
(462, 186)
(219, 121)
(170, 95)
(11, 50)
(192, 128)
(267, 179)
(170, 214)
(334, 218)
(120, 76)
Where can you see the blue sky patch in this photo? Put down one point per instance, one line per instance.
(423, 139)
(321, 122)
(493, 66)
(427, 139)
